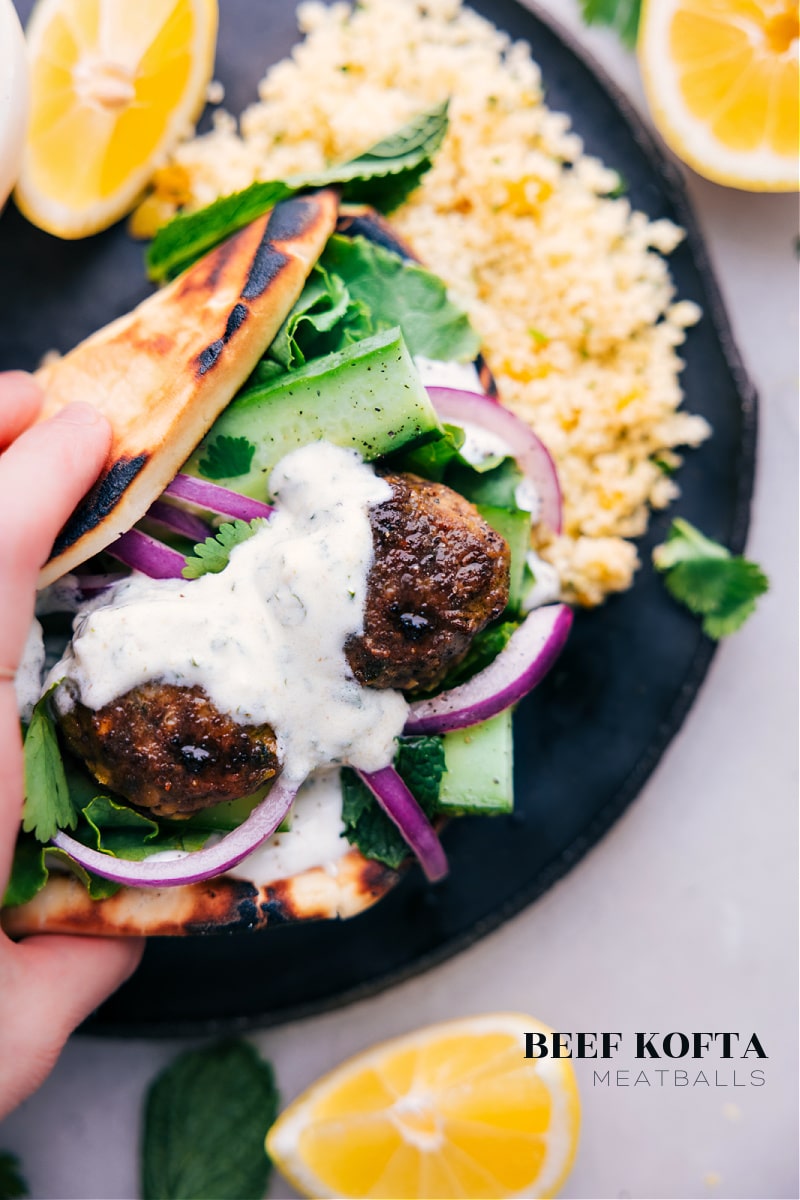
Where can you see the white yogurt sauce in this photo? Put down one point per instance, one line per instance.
(28, 679)
(435, 373)
(265, 637)
(314, 840)
(546, 587)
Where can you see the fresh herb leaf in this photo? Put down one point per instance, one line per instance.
(383, 176)
(619, 188)
(420, 762)
(397, 292)
(621, 15)
(212, 555)
(12, 1184)
(48, 806)
(496, 487)
(323, 305)
(205, 1119)
(708, 579)
(484, 649)
(188, 237)
(227, 457)
(30, 872)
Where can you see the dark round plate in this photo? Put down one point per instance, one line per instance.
(586, 740)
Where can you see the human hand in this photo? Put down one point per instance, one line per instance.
(48, 983)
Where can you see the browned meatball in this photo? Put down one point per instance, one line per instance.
(440, 575)
(169, 750)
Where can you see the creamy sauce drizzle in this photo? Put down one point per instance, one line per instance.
(265, 637)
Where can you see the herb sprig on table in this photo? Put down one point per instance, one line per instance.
(621, 15)
(383, 176)
(12, 1184)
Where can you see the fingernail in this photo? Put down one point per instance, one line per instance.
(78, 413)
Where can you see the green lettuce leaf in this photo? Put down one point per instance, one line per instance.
(205, 1120)
(420, 762)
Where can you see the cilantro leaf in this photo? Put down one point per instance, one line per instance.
(205, 1119)
(227, 457)
(30, 872)
(212, 555)
(720, 587)
(621, 15)
(48, 806)
(382, 176)
(420, 762)
(12, 1184)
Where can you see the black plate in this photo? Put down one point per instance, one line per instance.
(586, 740)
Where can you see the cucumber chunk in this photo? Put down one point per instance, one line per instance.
(479, 765)
(368, 396)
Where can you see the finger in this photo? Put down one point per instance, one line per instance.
(20, 401)
(43, 475)
(10, 780)
(60, 980)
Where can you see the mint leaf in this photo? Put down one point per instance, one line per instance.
(212, 555)
(188, 237)
(420, 762)
(48, 806)
(396, 292)
(621, 15)
(205, 1119)
(708, 579)
(383, 176)
(227, 457)
(12, 1184)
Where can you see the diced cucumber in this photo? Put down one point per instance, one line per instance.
(479, 765)
(368, 396)
(515, 526)
(229, 814)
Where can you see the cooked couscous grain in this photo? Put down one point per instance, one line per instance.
(567, 286)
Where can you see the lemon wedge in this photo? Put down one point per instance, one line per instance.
(113, 86)
(454, 1110)
(721, 78)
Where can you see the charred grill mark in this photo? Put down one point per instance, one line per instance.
(292, 219)
(369, 225)
(99, 502)
(209, 357)
(206, 274)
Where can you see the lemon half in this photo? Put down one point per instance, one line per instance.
(721, 78)
(454, 1110)
(113, 86)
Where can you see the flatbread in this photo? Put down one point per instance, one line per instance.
(222, 905)
(163, 373)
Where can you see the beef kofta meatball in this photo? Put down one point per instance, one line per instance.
(167, 749)
(440, 575)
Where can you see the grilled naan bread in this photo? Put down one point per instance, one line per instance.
(163, 373)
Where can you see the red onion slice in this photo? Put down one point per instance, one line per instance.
(403, 809)
(179, 521)
(144, 553)
(532, 455)
(192, 866)
(518, 668)
(216, 499)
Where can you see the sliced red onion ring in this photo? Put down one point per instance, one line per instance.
(193, 865)
(518, 668)
(532, 455)
(179, 521)
(145, 554)
(216, 499)
(402, 808)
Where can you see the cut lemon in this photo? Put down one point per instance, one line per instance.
(721, 78)
(454, 1110)
(113, 86)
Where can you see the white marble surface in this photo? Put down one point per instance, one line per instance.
(684, 917)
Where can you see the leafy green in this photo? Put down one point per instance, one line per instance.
(118, 830)
(708, 579)
(484, 649)
(227, 457)
(12, 1184)
(420, 762)
(324, 319)
(205, 1119)
(48, 806)
(496, 487)
(397, 292)
(212, 555)
(383, 176)
(30, 872)
(621, 15)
